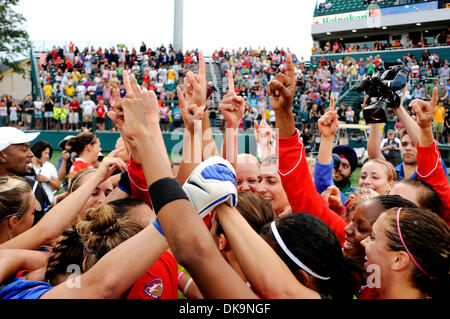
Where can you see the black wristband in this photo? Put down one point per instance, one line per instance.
(164, 191)
(124, 183)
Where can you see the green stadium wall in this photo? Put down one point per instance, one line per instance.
(173, 141)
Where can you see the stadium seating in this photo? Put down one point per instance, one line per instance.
(341, 6)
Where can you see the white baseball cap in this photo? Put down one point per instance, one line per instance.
(11, 135)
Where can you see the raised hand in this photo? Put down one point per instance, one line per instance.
(424, 110)
(232, 106)
(108, 166)
(149, 97)
(328, 123)
(195, 84)
(281, 90)
(333, 198)
(263, 132)
(190, 113)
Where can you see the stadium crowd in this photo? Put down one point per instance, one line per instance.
(339, 46)
(79, 86)
(223, 224)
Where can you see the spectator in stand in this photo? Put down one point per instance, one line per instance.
(100, 115)
(337, 87)
(390, 147)
(349, 115)
(430, 87)
(443, 94)
(14, 114)
(88, 107)
(438, 121)
(444, 73)
(419, 92)
(3, 113)
(48, 113)
(27, 112)
(81, 92)
(38, 114)
(64, 114)
(48, 90)
(74, 108)
(164, 117)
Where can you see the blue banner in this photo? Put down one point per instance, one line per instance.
(409, 8)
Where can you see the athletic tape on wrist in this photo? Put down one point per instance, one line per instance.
(164, 191)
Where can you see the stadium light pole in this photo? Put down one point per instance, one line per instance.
(178, 25)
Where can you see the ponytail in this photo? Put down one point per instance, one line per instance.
(79, 142)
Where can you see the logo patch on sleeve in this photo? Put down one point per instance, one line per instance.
(154, 288)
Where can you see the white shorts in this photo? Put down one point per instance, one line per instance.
(73, 118)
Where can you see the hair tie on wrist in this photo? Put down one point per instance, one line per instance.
(180, 274)
(187, 286)
(164, 191)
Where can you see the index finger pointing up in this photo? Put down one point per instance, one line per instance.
(230, 81)
(332, 103)
(126, 83)
(202, 68)
(290, 72)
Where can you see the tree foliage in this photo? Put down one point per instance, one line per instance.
(14, 40)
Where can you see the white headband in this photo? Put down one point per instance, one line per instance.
(291, 255)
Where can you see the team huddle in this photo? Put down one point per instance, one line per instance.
(223, 224)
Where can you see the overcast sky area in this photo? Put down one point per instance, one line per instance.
(208, 24)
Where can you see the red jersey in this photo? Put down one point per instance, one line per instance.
(78, 165)
(160, 281)
(299, 186)
(429, 169)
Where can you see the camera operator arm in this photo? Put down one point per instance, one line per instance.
(373, 143)
(408, 122)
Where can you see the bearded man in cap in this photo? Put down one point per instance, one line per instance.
(343, 173)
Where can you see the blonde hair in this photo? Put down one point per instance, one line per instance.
(102, 231)
(247, 158)
(13, 191)
(75, 181)
(391, 172)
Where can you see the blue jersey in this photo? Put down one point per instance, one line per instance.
(19, 288)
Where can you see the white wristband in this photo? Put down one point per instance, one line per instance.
(187, 286)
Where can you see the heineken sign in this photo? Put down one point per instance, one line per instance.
(342, 17)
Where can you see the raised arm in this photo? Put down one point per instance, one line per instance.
(429, 164)
(408, 122)
(268, 275)
(13, 260)
(192, 140)
(232, 107)
(65, 212)
(281, 91)
(292, 166)
(323, 173)
(263, 135)
(188, 238)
